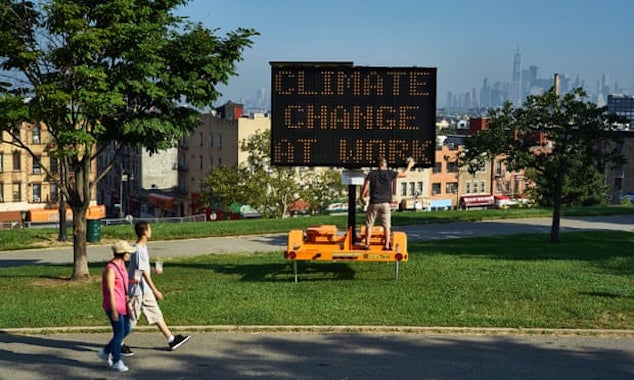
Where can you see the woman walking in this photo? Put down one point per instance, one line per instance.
(114, 287)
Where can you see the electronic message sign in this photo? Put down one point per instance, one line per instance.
(338, 114)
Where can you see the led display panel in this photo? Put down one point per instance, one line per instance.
(338, 114)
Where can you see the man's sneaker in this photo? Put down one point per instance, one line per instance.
(106, 358)
(119, 366)
(178, 341)
(126, 351)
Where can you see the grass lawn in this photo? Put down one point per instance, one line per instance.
(47, 237)
(585, 281)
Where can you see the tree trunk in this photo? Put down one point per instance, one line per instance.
(80, 267)
(62, 219)
(79, 202)
(557, 190)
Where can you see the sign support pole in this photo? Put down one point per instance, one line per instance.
(352, 212)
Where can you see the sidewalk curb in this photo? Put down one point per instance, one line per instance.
(421, 330)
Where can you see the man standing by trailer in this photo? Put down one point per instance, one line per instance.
(378, 186)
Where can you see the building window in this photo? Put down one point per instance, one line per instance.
(219, 141)
(437, 168)
(435, 188)
(618, 183)
(1, 162)
(54, 193)
(200, 162)
(419, 188)
(412, 188)
(201, 139)
(468, 188)
(16, 161)
(475, 187)
(1, 192)
(36, 165)
(37, 192)
(498, 168)
(483, 187)
(53, 165)
(451, 188)
(15, 134)
(17, 194)
(403, 189)
(452, 167)
(37, 134)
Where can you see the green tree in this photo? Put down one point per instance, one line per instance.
(584, 185)
(271, 189)
(101, 72)
(554, 137)
(321, 187)
(220, 187)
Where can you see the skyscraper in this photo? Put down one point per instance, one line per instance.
(515, 86)
(517, 66)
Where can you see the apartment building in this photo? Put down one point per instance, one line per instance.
(167, 183)
(24, 184)
(622, 105)
(139, 183)
(620, 178)
(216, 142)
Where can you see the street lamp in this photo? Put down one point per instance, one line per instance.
(124, 178)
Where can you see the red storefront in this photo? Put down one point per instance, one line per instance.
(484, 201)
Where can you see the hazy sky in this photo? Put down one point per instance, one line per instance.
(467, 40)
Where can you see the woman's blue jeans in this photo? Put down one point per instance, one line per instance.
(120, 329)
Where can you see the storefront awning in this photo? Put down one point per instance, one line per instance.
(163, 201)
(439, 203)
(477, 200)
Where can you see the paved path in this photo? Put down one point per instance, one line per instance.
(277, 242)
(318, 353)
(323, 356)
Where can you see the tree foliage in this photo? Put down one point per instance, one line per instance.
(322, 187)
(273, 188)
(101, 72)
(222, 187)
(561, 140)
(268, 189)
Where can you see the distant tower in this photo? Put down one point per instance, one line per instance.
(532, 74)
(515, 86)
(261, 97)
(517, 66)
(605, 86)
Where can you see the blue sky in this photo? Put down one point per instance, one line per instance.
(467, 40)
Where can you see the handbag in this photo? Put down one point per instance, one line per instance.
(133, 304)
(134, 307)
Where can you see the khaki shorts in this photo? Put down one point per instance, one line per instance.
(147, 305)
(374, 210)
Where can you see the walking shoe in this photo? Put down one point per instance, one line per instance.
(178, 341)
(106, 358)
(119, 366)
(126, 351)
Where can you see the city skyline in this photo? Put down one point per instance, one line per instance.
(469, 41)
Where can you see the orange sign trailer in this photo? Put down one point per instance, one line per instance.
(324, 243)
